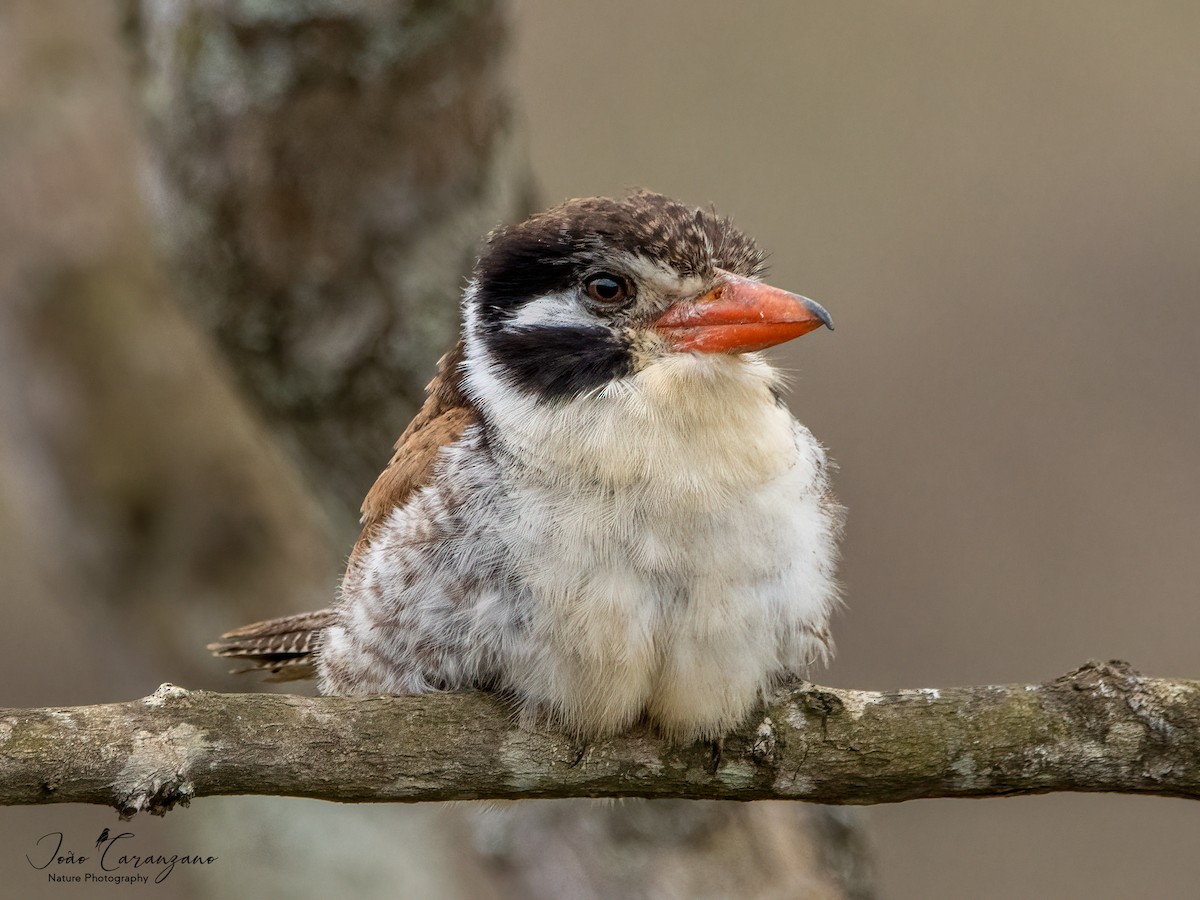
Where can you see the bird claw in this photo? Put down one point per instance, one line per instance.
(718, 750)
(580, 752)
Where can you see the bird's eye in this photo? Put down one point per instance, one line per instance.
(606, 288)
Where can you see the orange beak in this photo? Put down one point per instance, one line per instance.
(739, 315)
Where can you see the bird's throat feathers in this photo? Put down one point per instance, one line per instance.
(694, 427)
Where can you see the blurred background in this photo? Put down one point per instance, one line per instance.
(217, 310)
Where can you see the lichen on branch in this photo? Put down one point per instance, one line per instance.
(1102, 727)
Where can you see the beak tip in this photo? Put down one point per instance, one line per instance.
(819, 311)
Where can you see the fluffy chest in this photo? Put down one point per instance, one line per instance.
(611, 568)
(661, 475)
(664, 550)
(672, 504)
(674, 544)
(652, 512)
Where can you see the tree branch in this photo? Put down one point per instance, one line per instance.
(1102, 727)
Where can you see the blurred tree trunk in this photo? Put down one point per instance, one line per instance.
(132, 474)
(321, 173)
(142, 502)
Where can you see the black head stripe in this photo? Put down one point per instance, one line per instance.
(559, 362)
(550, 251)
(516, 269)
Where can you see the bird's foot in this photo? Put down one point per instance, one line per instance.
(718, 750)
(581, 750)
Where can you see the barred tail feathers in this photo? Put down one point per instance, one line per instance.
(284, 648)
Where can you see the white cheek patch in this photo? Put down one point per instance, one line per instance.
(551, 310)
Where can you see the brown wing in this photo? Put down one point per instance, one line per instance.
(285, 647)
(441, 421)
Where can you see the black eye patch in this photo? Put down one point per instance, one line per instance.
(556, 362)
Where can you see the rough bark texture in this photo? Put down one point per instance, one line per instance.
(324, 172)
(1102, 727)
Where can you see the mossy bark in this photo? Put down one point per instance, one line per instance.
(1102, 727)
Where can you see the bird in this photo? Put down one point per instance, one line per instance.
(604, 511)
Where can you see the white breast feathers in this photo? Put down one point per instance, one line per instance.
(664, 547)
